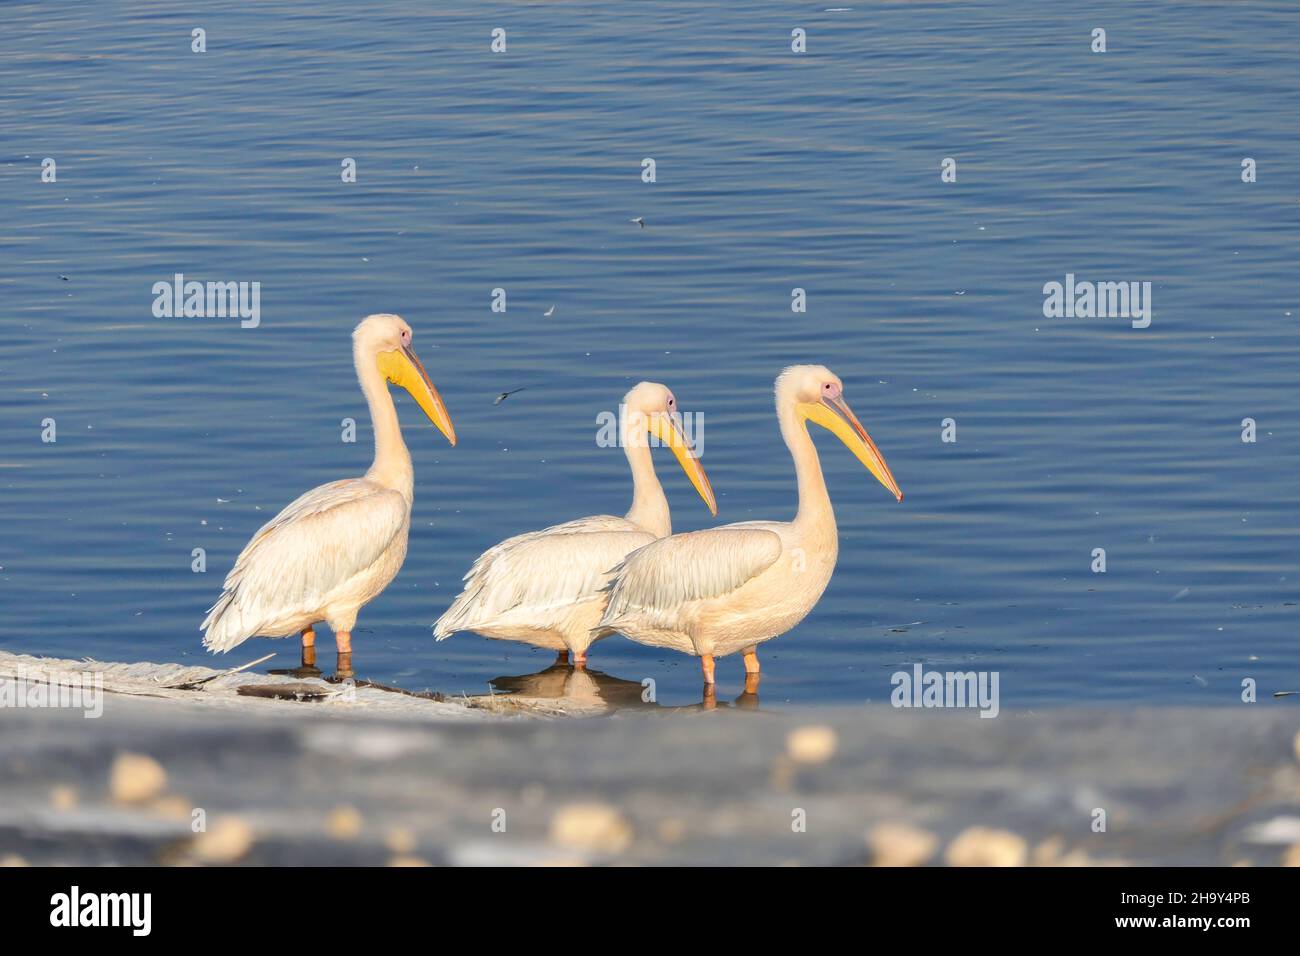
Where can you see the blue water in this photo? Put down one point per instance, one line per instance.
(774, 171)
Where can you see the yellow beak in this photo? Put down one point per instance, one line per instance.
(836, 417)
(664, 427)
(401, 367)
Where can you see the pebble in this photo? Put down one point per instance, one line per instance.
(228, 841)
(136, 778)
(344, 823)
(813, 744)
(400, 841)
(901, 844)
(985, 846)
(172, 808)
(595, 827)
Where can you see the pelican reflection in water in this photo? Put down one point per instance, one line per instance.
(587, 691)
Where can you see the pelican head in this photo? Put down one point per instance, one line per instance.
(651, 409)
(385, 340)
(817, 394)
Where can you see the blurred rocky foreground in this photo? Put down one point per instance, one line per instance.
(570, 768)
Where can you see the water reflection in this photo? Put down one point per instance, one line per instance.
(584, 690)
(342, 667)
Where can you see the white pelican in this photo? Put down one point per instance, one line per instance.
(714, 592)
(545, 587)
(335, 548)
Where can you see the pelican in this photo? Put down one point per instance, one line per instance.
(337, 547)
(714, 592)
(545, 587)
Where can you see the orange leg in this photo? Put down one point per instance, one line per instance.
(308, 648)
(344, 641)
(562, 657)
(751, 660)
(579, 658)
(706, 665)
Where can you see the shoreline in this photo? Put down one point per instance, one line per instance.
(392, 778)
